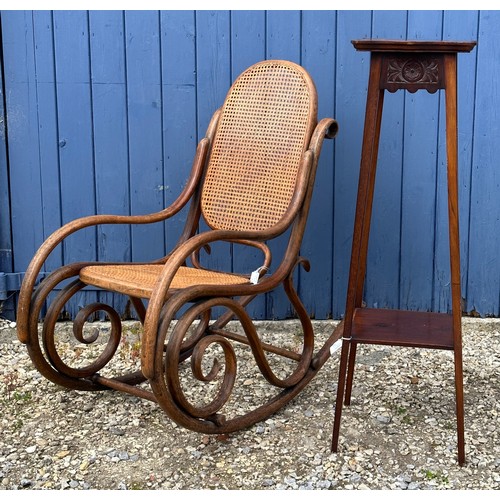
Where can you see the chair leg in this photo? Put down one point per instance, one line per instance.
(350, 373)
(139, 308)
(346, 344)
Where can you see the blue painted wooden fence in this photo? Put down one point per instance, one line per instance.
(101, 112)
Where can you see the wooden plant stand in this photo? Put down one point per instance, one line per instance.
(411, 66)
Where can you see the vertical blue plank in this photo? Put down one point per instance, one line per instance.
(248, 39)
(20, 88)
(7, 306)
(319, 58)
(5, 226)
(145, 129)
(484, 257)
(109, 114)
(212, 82)
(47, 126)
(283, 35)
(458, 25)
(351, 87)
(248, 46)
(71, 40)
(74, 101)
(179, 109)
(283, 42)
(383, 266)
(419, 179)
(213, 77)
(110, 131)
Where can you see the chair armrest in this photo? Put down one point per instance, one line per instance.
(59, 235)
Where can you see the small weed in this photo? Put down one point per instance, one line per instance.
(135, 329)
(402, 412)
(14, 399)
(135, 351)
(430, 474)
(407, 420)
(437, 476)
(130, 350)
(22, 396)
(11, 381)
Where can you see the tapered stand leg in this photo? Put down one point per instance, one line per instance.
(344, 355)
(450, 72)
(371, 135)
(350, 373)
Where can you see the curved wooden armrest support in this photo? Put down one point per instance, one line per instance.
(58, 236)
(266, 265)
(195, 256)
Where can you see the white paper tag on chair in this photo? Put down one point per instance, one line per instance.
(335, 346)
(255, 275)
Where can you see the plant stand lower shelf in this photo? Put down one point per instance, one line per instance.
(402, 328)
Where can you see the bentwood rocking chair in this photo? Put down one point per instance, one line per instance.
(251, 181)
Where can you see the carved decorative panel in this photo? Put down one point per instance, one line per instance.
(412, 72)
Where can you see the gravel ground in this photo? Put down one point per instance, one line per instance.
(398, 434)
